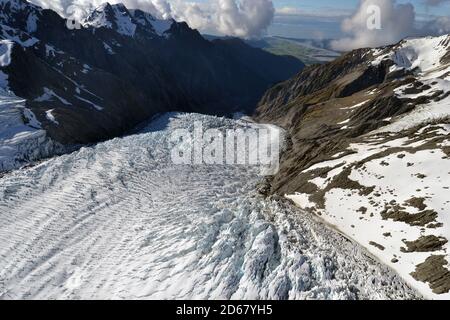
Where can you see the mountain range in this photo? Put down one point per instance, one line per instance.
(367, 134)
(120, 68)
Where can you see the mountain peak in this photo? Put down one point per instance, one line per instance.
(424, 55)
(115, 17)
(18, 17)
(124, 21)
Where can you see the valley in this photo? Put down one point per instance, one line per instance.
(93, 205)
(119, 221)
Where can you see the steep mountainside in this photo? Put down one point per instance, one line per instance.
(122, 67)
(369, 152)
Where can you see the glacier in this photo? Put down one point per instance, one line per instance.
(22, 139)
(119, 221)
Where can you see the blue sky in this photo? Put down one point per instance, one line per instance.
(317, 5)
(322, 18)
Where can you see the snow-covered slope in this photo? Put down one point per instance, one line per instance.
(124, 21)
(148, 22)
(388, 189)
(390, 193)
(112, 16)
(119, 220)
(429, 60)
(423, 55)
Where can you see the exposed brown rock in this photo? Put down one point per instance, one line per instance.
(417, 219)
(418, 203)
(434, 272)
(446, 150)
(362, 210)
(425, 244)
(376, 245)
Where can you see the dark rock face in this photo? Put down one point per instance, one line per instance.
(119, 70)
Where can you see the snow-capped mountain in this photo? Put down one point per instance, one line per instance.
(370, 153)
(18, 21)
(126, 22)
(123, 67)
(115, 17)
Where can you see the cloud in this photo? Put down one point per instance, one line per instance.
(396, 22)
(246, 18)
(289, 11)
(242, 18)
(435, 2)
(440, 25)
(319, 12)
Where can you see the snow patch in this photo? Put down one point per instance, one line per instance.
(125, 26)
(31, 119)
(51, 51)
(24, 39)
(161, 26)
(5, 52)
(49, 115)
(86, 69)
(112, 16)
(108, 48)
(32, 23)
(49, 95)
(89, 102)
(356, 105)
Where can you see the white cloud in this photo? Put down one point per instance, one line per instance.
(440, 25)
(397, 21)
(435, 2)
(289, 11)
(242, 18)
(246, 18)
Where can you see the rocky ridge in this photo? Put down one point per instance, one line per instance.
(369, 137)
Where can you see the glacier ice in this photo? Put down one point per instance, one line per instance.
(118, 221)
